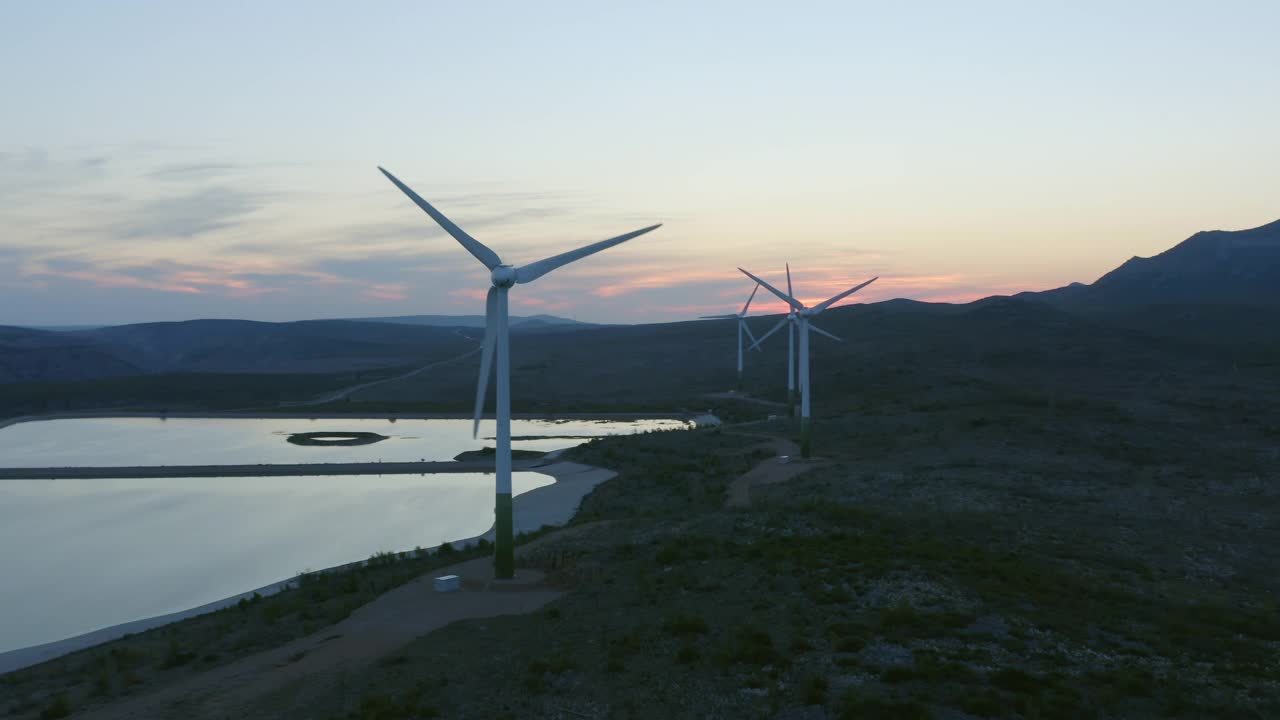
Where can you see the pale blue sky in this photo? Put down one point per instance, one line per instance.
(178, 160)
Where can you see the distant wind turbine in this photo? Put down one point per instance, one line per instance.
(742, 327)
(802, 316)
(496, 337)
(791, 350)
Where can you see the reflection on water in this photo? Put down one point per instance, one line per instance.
(79, 555)
(221, 441)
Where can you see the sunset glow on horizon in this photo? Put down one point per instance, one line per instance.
(162, 162)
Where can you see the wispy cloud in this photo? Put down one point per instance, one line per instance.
(193, 171)
(624, 280)
(386, 291)
(110, 279)
(470, 295)
(108, 225)
(193, 213)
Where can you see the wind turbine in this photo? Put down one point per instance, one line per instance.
(496, 338)
(791, 351)
(803, 314)
(742, 327)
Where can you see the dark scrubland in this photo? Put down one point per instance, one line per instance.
(1024, 513)
(1021, 513)
(207, 364)
(179, 392)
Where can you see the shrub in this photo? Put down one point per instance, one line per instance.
(857, 705)
(813, 689)
(59, 708)
(752, 646)
(684, 624)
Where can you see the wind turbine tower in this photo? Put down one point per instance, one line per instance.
(742, 327)
(803, 315)
(497, 341)
(791, 351)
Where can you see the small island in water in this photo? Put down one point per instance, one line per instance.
(336, 438)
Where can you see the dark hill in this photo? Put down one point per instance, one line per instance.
(244, 346)
(34, 355)
(530, 323)
(222, 346)
(1219, 267)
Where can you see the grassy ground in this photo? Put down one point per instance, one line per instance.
(991, 555)
(1027, 517)
(145, 660)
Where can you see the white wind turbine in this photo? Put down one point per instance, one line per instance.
(802, 315)
(496, 338)
(742, 327)
(791, 350)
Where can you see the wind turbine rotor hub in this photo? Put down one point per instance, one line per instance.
(503, 276)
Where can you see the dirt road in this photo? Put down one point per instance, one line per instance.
(303, 666)
(769, 470)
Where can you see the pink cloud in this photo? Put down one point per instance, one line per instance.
(386, 291)
(468, 294)
(540, 304)
(116, 280)
(634, 279)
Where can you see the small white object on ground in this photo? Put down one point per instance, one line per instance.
(784, 459)
(447, 583)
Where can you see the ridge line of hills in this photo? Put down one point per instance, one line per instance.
(1216, 286)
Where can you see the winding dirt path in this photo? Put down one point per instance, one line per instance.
(770, 470)
(744, 397)
(373, 631)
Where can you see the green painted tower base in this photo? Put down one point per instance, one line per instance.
(804, 437)
(504, 555)
(791, 403)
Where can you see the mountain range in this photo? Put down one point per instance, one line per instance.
(1216, 267)
(1217, 286)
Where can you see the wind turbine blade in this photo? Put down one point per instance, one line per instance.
(716, 317)
(753, 297)
(748, 329)
(823, 306)
(820, 331)
(473, 246)
(785, 297)
(775, 329)
(535, 270)
(789, 290)
(486, 356)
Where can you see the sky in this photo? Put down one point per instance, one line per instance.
(172, 161)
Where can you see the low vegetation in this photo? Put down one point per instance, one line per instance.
(138, 662)
(176, 392)
(979, 582)
(1029, 517)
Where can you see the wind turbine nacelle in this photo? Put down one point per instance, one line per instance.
(504, 276)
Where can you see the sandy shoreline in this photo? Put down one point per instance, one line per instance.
(553, 504)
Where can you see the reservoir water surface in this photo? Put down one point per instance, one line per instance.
(79, 555)
(234, 441)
